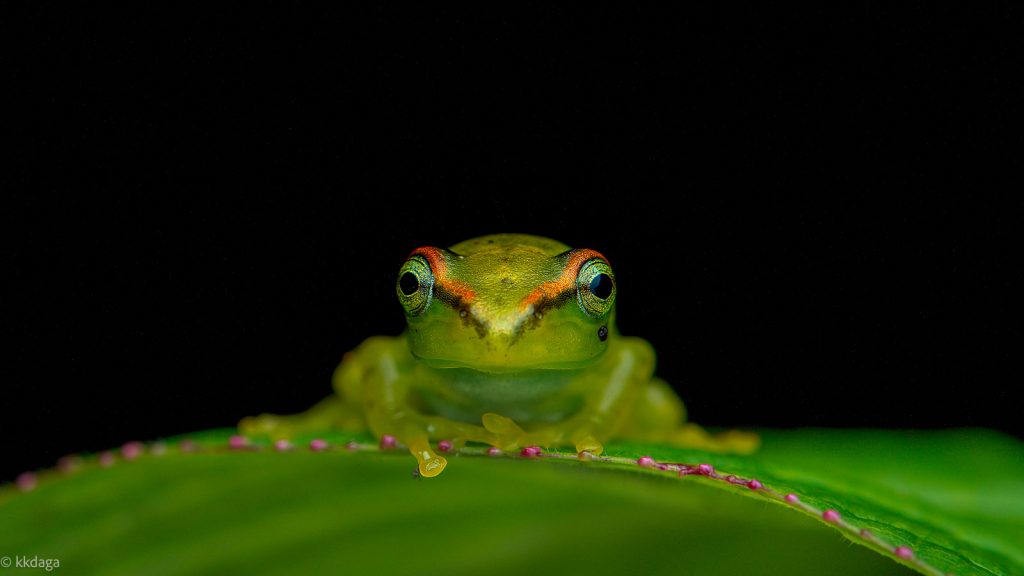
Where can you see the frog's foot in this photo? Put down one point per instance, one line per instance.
(582, 439)
(271, 425)
(413, 434)
(736, 441)
(428, 462)
(331, 413)
(510, 435)
(458, 433)
(506, 434)
(589, 445)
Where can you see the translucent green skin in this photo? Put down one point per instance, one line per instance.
(502, 348)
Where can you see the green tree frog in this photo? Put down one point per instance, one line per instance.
(511, 342)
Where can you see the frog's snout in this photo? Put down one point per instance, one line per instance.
(503, 328)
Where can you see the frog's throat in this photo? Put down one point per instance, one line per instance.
(524, 396)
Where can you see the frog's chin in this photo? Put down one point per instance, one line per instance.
(497, 367)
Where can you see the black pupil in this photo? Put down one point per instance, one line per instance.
(408, 283)
(601, 286)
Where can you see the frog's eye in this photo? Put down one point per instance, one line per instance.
(415, 286)
(595, 287)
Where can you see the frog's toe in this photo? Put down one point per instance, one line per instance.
(589, 444)
(508, 434)
(432, 466)
(499, 424)
(735, 441)
(739, 442)
(429, 463)
(264, 425)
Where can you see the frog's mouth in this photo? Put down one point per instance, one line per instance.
(485, 365)
(508, 343)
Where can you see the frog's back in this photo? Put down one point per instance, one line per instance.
(506, 242)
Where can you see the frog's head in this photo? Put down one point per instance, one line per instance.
(507, 302)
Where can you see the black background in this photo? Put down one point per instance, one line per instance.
(807, 213)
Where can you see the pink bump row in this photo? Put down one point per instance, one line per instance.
(830, 515)
(318, 445)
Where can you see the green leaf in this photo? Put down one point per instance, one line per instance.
(954, 498)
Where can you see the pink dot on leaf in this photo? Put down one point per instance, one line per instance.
(132, 450)
(26, 481)
(69, 463)
(530, 451)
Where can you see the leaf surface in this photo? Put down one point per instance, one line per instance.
(953, 498)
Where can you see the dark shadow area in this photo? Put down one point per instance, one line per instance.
(803, 224)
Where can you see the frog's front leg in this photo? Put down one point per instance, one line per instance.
(386, 402)
(609, 388)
